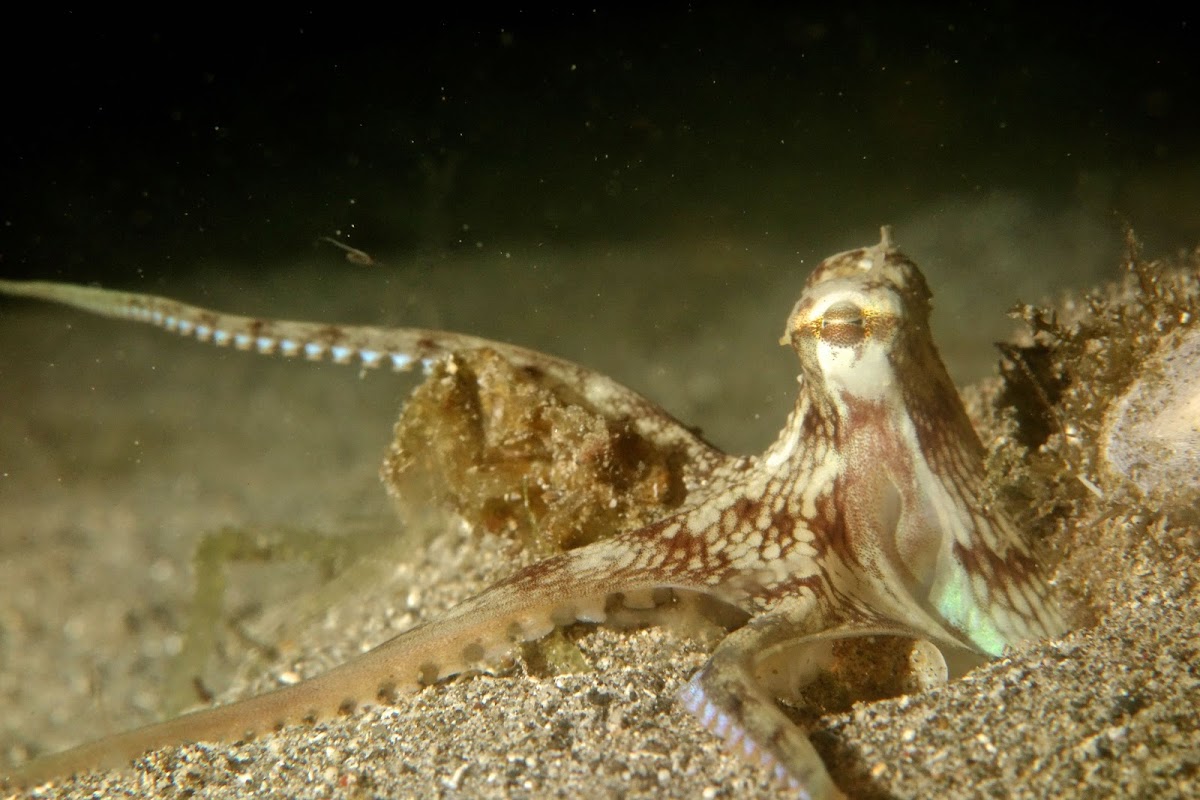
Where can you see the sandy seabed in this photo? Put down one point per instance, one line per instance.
(121, 447)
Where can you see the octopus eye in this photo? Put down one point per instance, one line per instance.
(843, 325)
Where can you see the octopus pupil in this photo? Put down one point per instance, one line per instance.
(843, 332)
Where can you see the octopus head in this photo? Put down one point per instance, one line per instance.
(862, 324)
(911, 464)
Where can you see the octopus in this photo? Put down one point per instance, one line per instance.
(868, 516)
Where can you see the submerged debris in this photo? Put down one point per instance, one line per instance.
(1098, 422)
(515, 455)
(1153, 436)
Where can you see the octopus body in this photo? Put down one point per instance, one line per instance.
(865, 517)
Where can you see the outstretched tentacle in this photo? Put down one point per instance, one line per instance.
(570, 587)
(398, 348)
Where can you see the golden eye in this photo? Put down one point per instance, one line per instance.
(843, 325)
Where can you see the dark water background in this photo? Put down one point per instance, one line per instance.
(643, 190)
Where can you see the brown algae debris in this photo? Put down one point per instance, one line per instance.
(1097, 432)
(514, 454)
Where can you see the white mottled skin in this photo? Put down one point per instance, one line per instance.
(864, 518)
